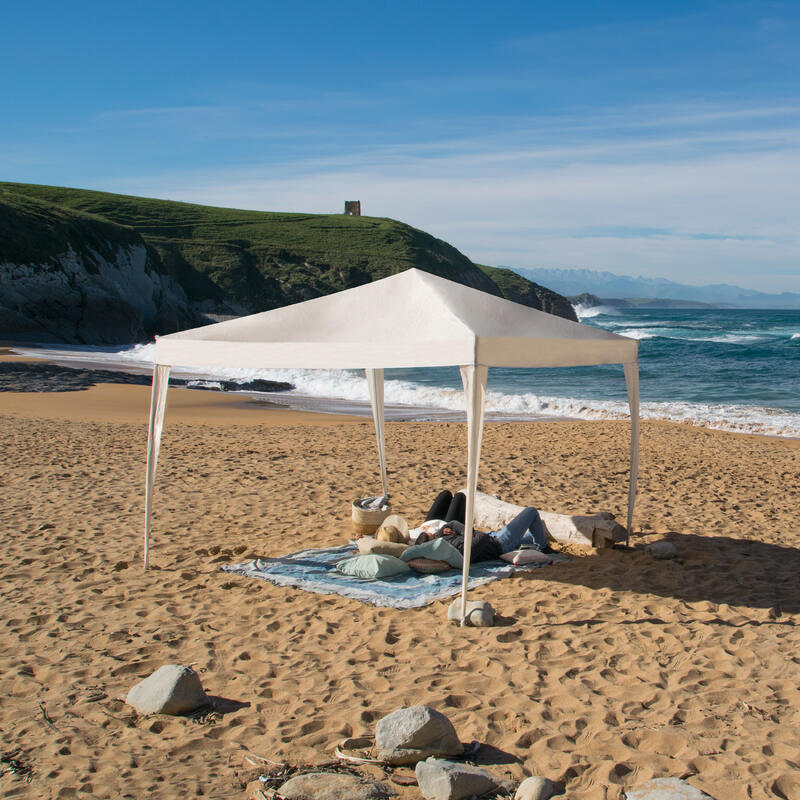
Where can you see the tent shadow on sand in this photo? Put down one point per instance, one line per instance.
(712, 569)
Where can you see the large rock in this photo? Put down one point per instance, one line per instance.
(535, 788)
(412, 734)
(446, 780)
(666, 789)
(171, 689)
(480, 613)
(332, 786)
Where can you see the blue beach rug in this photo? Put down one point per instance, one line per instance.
(315, 571)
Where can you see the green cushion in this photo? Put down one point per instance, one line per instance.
(372, 567)
(436, 550)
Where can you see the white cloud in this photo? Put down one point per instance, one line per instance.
(600, 203)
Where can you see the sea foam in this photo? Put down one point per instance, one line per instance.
(422, 401)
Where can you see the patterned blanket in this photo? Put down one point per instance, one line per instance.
(315, 571)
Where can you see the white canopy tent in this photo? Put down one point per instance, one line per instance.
(413, 319)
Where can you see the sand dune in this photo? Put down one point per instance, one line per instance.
(604, 672)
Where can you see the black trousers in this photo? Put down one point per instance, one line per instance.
(448, 507)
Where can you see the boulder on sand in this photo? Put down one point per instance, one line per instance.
(409, 735)
(332, 786)
(535, 788)
(446, 780)
(171, 689)
(480, 613)
(662, 549)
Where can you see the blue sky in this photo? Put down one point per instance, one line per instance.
(656, 139)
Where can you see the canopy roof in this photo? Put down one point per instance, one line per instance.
(412, 319)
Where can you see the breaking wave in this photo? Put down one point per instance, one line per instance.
(422, 401)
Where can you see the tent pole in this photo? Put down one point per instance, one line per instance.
(632, 381)
(375, 384)
(158, 403)
(474, 380)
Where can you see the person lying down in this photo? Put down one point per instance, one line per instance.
(525, 530)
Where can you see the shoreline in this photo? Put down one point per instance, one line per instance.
(110, 403)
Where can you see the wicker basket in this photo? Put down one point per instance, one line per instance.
(367, 521)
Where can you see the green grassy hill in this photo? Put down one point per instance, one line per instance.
(229, 260)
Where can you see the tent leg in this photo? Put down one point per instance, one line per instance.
(158, 403)
(375, 384)
(632, 382)
(474, 380)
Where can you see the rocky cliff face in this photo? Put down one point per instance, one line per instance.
(91, 298)
(66, 276)
(91, 267)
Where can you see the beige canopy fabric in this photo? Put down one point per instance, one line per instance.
(412, 319)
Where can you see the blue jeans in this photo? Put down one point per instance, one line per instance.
(525, 528)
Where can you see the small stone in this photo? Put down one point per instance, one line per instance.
(45, 526)
(446, 780)
(481, 617)
(120, 565)
(662, 549)
(332, 786)
(666, 789)
(171, 689)
(535, 788)
(411, 734)
(480, 613)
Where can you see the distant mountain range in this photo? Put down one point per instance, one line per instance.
(573, 282)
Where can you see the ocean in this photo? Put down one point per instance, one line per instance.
(729, 369)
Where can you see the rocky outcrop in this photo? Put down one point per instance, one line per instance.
(520, 290)
(67, 276)
(88, 297)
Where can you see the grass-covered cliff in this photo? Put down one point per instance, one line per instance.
(222, 260)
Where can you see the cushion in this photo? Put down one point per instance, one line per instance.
(436, 549)
(369, 544)
(527, 556)
(428, 565)
(372, 566)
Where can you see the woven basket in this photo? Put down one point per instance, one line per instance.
(367, 521)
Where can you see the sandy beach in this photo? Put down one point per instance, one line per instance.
(603, 672)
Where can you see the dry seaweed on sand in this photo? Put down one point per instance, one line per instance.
(13, 762)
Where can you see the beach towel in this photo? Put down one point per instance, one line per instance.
(315, 571)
